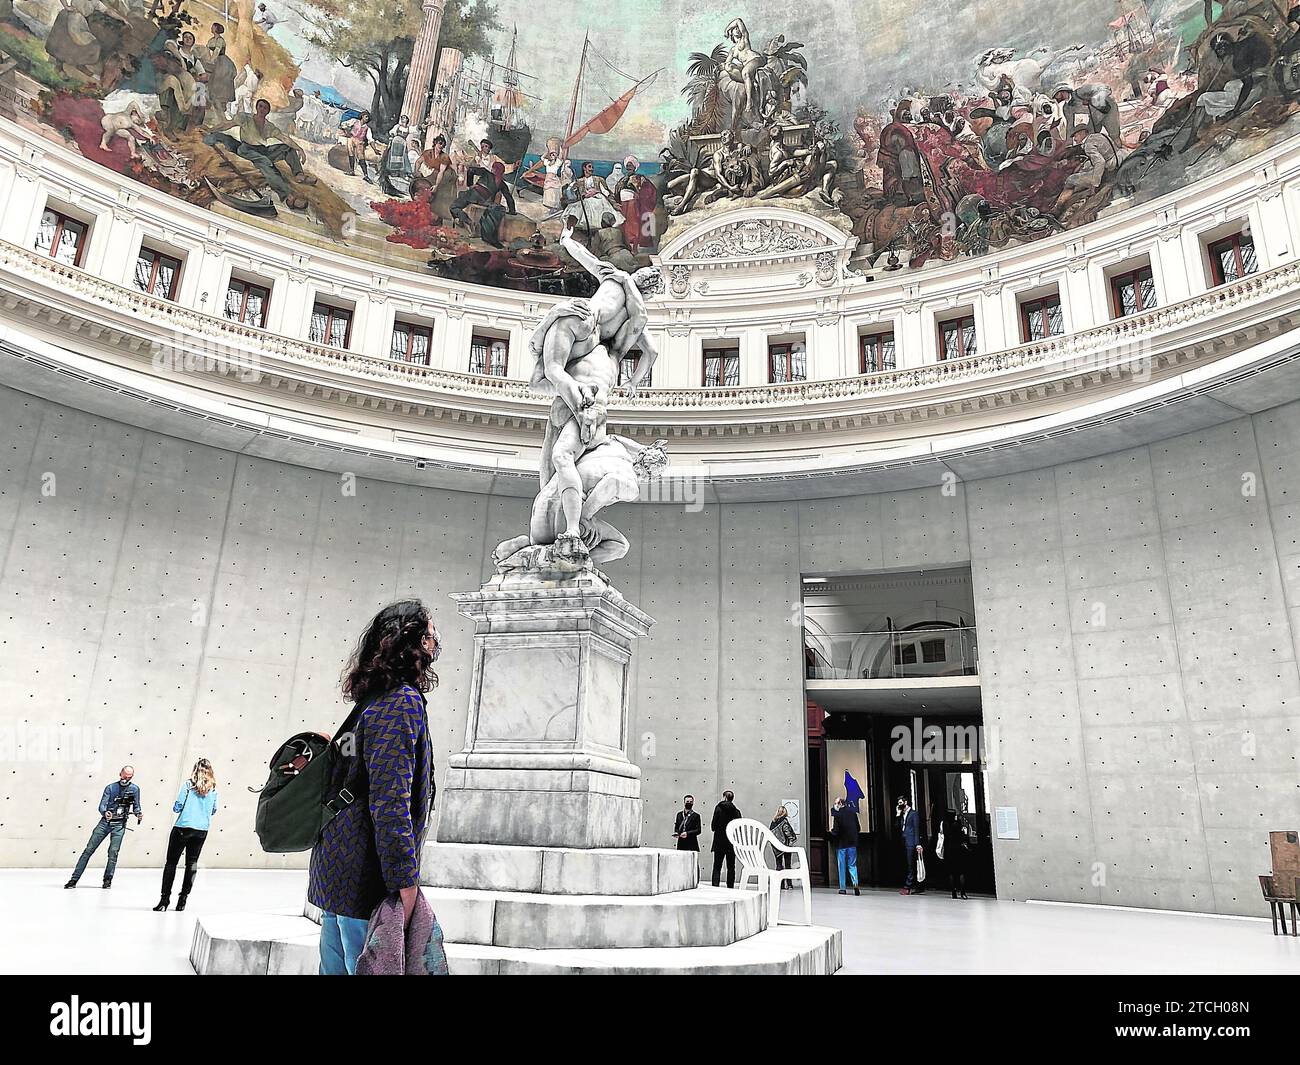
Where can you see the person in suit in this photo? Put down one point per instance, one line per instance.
(844, 833)
(687, 827)
(723, 814)
(910, 825)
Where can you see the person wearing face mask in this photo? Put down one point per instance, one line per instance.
(910, 824)
(687, 827)
(120, 800)
(194, 806)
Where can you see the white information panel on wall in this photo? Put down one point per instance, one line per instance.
(1008, 822)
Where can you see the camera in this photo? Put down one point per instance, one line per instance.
(120, 808)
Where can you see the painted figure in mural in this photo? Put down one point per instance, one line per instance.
(182, 92)
(246, 85)
(808, 169)
(83, 34)
(264, 145)
(742, 65)
(435, 178)
(360, 141)
(130, 125)
(221, 73)
(591, 198)
(397, 164)
(551, 162)
(710, 178)
(577, 349)
(288, 116)
(490, 192)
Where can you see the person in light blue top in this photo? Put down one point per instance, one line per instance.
(194, 806)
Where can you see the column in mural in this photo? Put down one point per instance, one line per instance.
(442, 116)
(421, 73)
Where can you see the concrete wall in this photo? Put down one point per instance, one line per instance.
(168, 600)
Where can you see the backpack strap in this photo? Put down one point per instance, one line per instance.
(345, 796)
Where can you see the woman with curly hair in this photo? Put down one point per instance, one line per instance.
(371, 848)
(194, 806)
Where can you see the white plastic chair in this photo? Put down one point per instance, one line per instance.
(749, 837)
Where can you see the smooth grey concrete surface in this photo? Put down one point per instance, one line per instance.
(882, 932)
(172, 600)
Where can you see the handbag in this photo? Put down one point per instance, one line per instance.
(938, 846)
(920, 868)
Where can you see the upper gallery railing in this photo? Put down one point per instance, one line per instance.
(941, 651)
(1104, 347)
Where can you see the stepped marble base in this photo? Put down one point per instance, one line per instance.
(558, 870)
(251, 944)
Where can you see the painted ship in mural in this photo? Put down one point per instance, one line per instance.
(493, 97)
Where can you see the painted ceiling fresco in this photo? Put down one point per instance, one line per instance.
(928, 131)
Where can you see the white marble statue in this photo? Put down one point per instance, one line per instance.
(584, 468)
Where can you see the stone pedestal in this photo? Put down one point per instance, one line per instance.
(545, 761)
(537, 867)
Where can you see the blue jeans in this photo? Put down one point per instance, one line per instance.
(848, 856)
(102, 830)
(341, 940)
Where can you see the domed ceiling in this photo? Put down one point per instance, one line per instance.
(927, 131)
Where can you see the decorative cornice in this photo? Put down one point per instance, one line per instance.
(1140, 346)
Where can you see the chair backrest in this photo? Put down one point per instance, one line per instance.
(749, 838)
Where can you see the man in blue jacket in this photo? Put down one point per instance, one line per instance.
(120, 800)
(910, 821)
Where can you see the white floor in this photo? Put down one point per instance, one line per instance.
(45, 929)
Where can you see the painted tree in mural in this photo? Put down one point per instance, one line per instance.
(376, 39)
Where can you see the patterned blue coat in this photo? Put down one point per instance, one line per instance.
(372, 848)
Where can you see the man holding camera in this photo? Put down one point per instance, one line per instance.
(120, 800)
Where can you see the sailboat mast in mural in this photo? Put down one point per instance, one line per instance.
(495, 94)
(603, 121)
(608, 116)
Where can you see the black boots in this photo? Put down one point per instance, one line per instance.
(856, 891)
(107, 884)
(70, 884)
(187, 883)
(162, 904)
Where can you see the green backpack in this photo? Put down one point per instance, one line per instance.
(296, 802)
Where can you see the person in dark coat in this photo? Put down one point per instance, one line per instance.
(845, 829)
(723, 814)
(687, 827)
(371, 849)
(785, 834)
(910, 825)
(956, 852)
